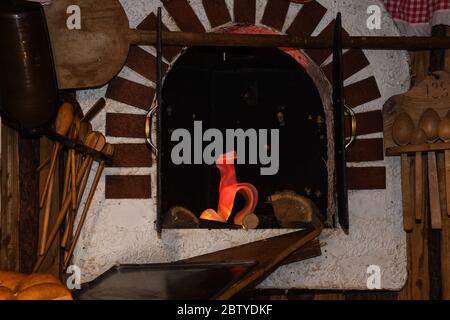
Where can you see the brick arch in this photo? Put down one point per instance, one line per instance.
(219, 16)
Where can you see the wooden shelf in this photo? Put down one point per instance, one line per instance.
(426, 147)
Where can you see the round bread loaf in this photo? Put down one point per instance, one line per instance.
(6, 294)
(10, 279)
(46, 291)
(35, 279)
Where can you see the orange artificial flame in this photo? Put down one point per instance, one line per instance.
(228, 189)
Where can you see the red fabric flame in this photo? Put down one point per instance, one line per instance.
(228, 188)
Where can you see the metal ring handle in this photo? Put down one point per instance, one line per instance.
(148, 127)
(353, 134)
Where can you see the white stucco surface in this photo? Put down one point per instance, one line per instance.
(122, 231)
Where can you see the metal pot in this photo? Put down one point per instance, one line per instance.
(28, 84)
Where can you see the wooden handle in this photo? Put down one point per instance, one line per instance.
(73, 213)
(73, 174)
(46, 217)
(433, 186)
(54, 157)
(84, 214)
(408, 222)
(447, 179)
(176, 38)
(419, 203)
(60, 217)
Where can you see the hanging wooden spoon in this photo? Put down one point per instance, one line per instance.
(429, 122)
(444, 134)
(108, 150)
(71, 171)
(72, 156)
(419, 137)
(101, 142)
(402, 131)
(91, 141)
(63, 122)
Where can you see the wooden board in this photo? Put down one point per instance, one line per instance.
(10, 200)
(432, 92)
(268, 254)
(93, 55)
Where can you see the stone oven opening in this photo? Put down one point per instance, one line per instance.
(256, 89)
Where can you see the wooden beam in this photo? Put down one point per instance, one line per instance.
(10, 200)
(177, 38)
(29, 202)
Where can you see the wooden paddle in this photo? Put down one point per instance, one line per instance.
(94, 54)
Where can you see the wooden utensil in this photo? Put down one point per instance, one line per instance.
(444, 134)
(108, 150)
(82, 186)
(402, 131)
(71, 172)
(418, 137)
(63, 122)
(91, 141)
(72, 156)
(429, 122)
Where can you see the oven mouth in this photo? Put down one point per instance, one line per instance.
(226, 88)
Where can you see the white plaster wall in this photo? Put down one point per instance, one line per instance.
(122, 231)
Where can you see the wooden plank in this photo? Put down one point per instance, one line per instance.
(310, 250)
(366, 123)
(275, 14)
(366, 178)
(307, 19)
(10, 200)
(361, 92)
(410, 149)
(444, 236)
(418, 251)
(432, 91)
(149, 24)
(245, 11)
(29, 155)
(183, 15)
(131, 93)
(125, 125)
(132, 156)
(217, 12)
(433, 187)
(407, 193)
(354, 60)
(366, 150)
(128, 187)
(268, 254)
(143, 63)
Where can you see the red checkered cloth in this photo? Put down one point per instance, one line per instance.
(417, 16)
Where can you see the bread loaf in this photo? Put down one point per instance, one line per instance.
(6, 294)
(47, 291)
(38, 286)
(10, 279)
(35, 279)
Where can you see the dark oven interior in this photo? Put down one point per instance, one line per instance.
(230, 88)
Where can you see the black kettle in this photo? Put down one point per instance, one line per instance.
(28, 83)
